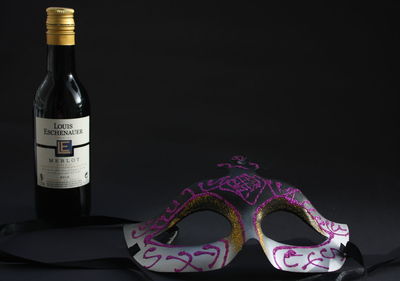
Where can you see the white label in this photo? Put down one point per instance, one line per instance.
(62, 152)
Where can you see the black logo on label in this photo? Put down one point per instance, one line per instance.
(64, 148)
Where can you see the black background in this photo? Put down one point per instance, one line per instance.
(307, 90)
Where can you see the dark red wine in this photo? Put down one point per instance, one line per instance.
(61, 125)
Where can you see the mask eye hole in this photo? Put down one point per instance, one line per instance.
(287, 228)
(202, 227)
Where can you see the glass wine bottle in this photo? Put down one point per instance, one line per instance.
(61, 127)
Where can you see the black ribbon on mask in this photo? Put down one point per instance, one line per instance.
(350, 250)
(13, 229)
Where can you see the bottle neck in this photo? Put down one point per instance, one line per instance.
(60, 60)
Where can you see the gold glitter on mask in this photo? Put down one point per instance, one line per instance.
(283, 204)
(208, 202)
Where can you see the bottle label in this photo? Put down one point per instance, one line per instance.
(62, 152)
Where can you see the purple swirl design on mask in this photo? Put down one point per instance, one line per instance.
(248, 187)
(186, 262)
(330, 227)
(230, 166)
(276, 190)
(276, 249)
(278, 186)
(173, 209)
(239, 158)
(333, 256)
(311, 261)
(226, 251)
(216, 253)
(145, 256)
(142, 229)
(212, 184)
(208, 247)
(255, 165)
(326, 225)
(240, 162)
(288, 255)
(188, 190)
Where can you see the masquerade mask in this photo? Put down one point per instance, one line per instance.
(244, 198)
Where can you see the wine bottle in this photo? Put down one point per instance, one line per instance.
(61, 126)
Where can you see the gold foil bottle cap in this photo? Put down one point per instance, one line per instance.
(60, 26)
